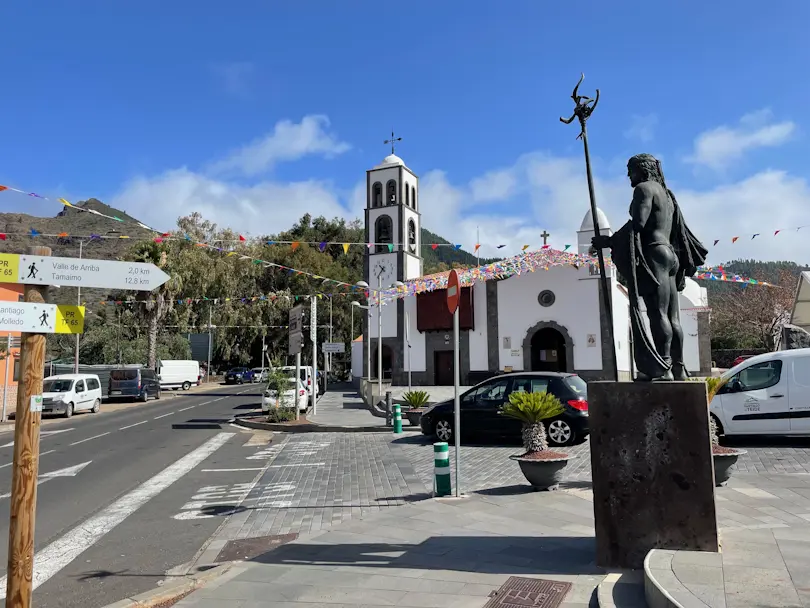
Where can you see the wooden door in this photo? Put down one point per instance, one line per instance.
(443, 367)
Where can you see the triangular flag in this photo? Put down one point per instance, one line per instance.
(734, 240)
(124, 236)
(322, 246)
(390, 248)
(158, 240)
(434, 246)
(546, 246)
(241, 238)
(294, 245)
(345, 248)
(477, 247)
(270, 242)
(3, 188)
(777, 232)
(716, 241)
(369, 245)
(500, 246)
(2, 237)
(35, 195)
(62, 235)
(567, 247)
(755, 236)
(64, 202)
(525, 247)
(34, 232)
(457, 247)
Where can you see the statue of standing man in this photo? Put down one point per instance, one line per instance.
(653, 253)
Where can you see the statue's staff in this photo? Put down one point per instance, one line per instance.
(583, 108)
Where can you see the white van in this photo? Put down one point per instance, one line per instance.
(306, 378)
(768, 394)
(68, 393)
(178, 373)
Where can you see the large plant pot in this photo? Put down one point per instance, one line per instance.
(413, 416)
(542, 474)
(724, 465)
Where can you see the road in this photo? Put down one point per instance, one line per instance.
(110, 484)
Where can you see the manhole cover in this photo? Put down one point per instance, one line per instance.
(519, 592)
(248, 548)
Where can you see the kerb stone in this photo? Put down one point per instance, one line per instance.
(653, 476)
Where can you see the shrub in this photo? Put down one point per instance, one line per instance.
(416, 399)
(531, 409)
(281, 414)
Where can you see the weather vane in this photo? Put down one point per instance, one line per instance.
(583, 108)
(392, 141)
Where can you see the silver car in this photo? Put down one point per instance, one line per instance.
(260, 374)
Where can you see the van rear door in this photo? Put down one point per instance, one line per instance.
(799, 393)
(123, 382)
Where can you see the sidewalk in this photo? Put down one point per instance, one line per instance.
(342, 406)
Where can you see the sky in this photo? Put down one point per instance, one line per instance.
(253, 113)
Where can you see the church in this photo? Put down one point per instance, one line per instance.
(543, 320)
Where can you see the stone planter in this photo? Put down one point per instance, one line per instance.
(413, 416)
(724, 466)
(543, 474)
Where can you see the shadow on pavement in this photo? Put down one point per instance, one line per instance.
(765, 441)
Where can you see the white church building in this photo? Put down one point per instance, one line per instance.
(548, 320)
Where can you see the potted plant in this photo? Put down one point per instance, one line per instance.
(416, 401)
(724, 458)
(541, 467)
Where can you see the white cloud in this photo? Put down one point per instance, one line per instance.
(719, 147)
(234, 76)
(642, 128)
(289, 141)
(494, 186)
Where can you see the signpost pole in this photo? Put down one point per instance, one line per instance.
(313, 334)
(78, 303)
(456, 408)
(9, 359)
(298, 377)
(25, 467)
(210, 343)
(408, 343)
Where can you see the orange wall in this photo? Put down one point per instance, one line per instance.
(9, 292)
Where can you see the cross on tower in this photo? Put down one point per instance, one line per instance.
(392, 141)
(545, 236)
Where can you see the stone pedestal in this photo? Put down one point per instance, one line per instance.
(653, 476)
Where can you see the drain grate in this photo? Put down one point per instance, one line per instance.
(519, 592)
(248, 548)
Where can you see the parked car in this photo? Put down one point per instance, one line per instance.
(133, 383)
(239, 375)
(260, 374)
(480, 406)
(68, 393)
(296, 393)
(740, 359)
(179, 373)
(768, 394)
(306, 378)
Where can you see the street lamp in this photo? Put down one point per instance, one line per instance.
(354, 305)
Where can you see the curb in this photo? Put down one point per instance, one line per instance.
(610, 592)
(310, 427)
(657, 572)
(172, 589)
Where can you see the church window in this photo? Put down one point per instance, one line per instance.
(546, 298)
(412, 236)
(383, 229)
(413, 197)
(407, 196)
(391, 192)
(376, 195)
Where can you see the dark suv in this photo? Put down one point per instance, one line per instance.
(480, 406)
(133, 383)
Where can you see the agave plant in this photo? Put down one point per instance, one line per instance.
(416, 399)
(532, 409)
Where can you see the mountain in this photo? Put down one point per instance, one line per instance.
(445, 258)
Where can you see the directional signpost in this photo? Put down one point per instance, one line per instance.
(334, 347)
(35, 318)
(453, 296)
(296, 333)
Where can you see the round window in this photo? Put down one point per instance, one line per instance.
(546, 298)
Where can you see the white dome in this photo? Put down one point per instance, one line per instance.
(391, 160)
(587, 221)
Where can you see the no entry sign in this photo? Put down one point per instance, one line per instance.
(453, 290)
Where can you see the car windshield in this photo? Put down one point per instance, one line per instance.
(578, 385)
(56, 386)
(124, 374)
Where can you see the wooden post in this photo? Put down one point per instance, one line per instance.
(20, 572)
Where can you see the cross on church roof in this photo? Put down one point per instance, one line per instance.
(392, 141)
(545, 236)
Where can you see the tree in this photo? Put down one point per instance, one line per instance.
(752, 316)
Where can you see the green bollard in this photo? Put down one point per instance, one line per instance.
(397, 419)
(441, 469)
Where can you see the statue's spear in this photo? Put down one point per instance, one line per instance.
(583, 108)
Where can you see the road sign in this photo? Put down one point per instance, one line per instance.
(453, 290)
(295, 331)
(334, 347)
(79, 272)
(313, 321)
(41, 318)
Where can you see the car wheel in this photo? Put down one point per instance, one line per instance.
(157, 395)
(69, 410)
(96, 406)
(144, 396)
(560, 433)
(443, 429)
(186, 385)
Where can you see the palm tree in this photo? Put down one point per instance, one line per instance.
(532, 409)
(159, 302)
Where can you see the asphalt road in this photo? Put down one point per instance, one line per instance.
(106, 526)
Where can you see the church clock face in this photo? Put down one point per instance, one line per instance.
(383, 269)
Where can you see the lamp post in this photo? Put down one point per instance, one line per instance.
(354, 305)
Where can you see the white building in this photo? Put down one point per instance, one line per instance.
(550, 320)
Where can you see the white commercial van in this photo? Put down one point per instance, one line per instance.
(306, 378)
(178, 373)
(768, 394)
(68, 393)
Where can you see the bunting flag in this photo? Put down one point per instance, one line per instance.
(345, 248)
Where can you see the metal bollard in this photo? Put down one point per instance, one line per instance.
(441, 469)
(388, 412)
(397, 419)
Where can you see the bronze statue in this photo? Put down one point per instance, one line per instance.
(653, 253)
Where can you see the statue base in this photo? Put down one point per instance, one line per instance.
(652, 468)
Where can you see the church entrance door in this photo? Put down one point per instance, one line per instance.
(548, 351)
(387, 360)
(443, 367)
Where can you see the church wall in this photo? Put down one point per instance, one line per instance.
(389, 321)
(417, 339)
(689, 324)
(576, 308)
(479, 354)
(413, 266)
(621, 329)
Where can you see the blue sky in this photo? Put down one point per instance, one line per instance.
(254, 112)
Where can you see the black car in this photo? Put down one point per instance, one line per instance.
(133, 383)
(480, 406)
(238, 375)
